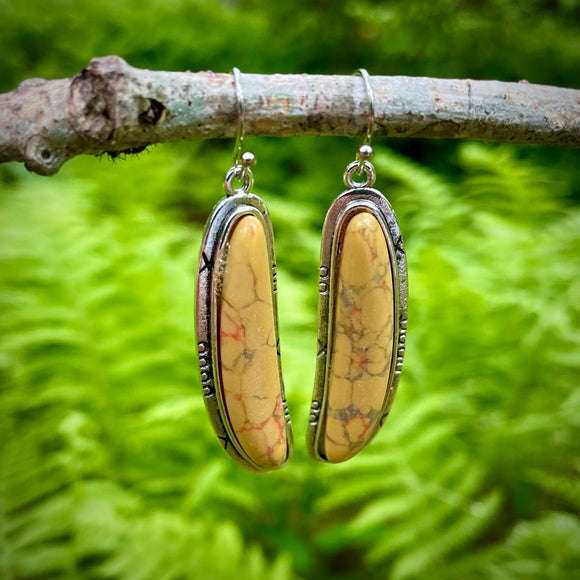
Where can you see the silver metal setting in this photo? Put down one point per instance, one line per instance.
(348, 204)
(210, 274)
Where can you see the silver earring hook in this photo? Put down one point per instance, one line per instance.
(371, 97)
(240, 100)
(243, 161)
(362, 164)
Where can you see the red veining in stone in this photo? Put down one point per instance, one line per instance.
(239, 334)
(278, 420)
(251, 383)
(365, 423)
(360, 359)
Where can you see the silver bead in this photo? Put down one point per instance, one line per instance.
(365, 152)
(248, 159)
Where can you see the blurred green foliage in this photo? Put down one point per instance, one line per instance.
(502, 39)
(108, 465)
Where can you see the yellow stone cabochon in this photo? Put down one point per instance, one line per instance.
(362, 349)
(250, 376)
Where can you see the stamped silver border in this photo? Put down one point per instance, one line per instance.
(207, 303)
(340, 213)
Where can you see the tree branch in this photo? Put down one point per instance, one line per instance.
(111, 106)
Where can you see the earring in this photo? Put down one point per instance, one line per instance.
(362, 313)
(236, 321)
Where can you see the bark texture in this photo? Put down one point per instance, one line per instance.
(111, 106)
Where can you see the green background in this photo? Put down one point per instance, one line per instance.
(108, 465)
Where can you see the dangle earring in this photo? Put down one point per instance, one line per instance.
(362, 313)
(236, 321)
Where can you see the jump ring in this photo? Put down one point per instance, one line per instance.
(241, 174)
(359, 167)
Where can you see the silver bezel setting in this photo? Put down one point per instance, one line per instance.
(340, 213)
(207, 307)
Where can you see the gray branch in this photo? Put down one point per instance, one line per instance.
(111, 106)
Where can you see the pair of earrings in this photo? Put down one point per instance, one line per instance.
(362, 318)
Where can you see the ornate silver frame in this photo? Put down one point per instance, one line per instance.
(342, 210)
(207, 306)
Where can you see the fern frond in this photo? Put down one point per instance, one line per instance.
(168, 546)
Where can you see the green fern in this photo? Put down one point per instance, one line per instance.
(414, 503)
(547, 548)
(102, 418)
(420, 508)
(109, 467)
(190, 550)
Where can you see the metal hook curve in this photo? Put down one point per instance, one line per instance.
(371, 97)
(237, 154)
(241, 172)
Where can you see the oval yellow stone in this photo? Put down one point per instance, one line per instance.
(362, 346)
(250, 376)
